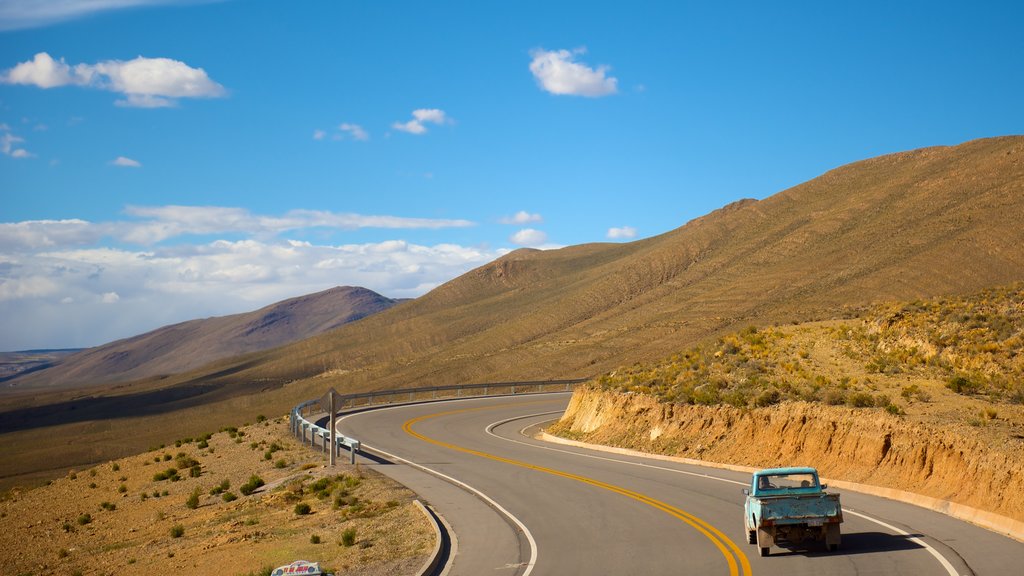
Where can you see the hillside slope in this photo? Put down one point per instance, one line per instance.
(924, 396)
(935, 221)
(927, 222)
(188, 345)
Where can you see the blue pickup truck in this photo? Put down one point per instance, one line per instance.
(789, 504)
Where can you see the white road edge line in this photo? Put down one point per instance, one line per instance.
(522, 432)
(529, 536)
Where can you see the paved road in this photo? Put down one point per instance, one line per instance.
(557, 510)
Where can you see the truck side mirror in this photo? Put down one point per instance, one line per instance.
(746, 491)
(823, 486)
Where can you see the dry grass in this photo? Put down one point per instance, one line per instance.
(947, 359)
(150, 513)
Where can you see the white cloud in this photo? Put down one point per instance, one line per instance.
(18, 14)
(145, 82)
(419, 118)
(7, 144)
(126, 162)
(156, 224)
(354, 130)
(529, 237)
(59, 297)
(557, 72)
(624, 232)
(521, 217)
(319, 134)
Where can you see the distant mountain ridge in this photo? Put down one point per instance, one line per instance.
(188, 345)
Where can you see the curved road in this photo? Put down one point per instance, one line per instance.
(520, 506)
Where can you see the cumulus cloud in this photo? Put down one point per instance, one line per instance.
(622, 233)
(529, 237)
(521, 217)
(319, 134)
(558, 72)
(144, 82)
(61, 297)
(420, 118)
(126, 162)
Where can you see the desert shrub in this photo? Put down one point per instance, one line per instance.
(177, 531)
(860, 400)
(229, 497)
(835, 398)
(183, 461)
(348, 537)
(894, 410)
(767, 398)
(314, 539)
(281, 463)
(220, 488)
(193, 500)
(195, 471)
(169, 474)
(962, 384)
(301, 509)
(122, 489)
(109, 506)
(85, 519)
(115, 467)
(251, 486)
(260, 418)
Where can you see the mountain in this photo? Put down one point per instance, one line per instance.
(188, 345)
(930, 222)
(927, 222)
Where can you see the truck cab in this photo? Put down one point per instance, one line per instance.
(791, 505)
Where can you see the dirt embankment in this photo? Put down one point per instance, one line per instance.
(867, 446)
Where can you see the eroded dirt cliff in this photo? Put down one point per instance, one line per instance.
(869, 446)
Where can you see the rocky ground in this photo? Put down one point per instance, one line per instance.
(183, 509)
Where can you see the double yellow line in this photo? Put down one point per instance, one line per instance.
(734, 557)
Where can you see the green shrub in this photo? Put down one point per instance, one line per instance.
(860, 400)
(85, 519)
(229, 497)
(251, 486)
(348, 537)
(301, 509)
(767, 398)
(177, 531)
(193, 501)
(314, 539)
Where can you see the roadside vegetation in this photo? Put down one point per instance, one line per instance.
(888, 357)
(213, 500)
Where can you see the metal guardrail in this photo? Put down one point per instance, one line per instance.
(301, 427)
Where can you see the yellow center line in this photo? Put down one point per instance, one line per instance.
(727, 547)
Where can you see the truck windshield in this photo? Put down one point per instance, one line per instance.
(786, 481)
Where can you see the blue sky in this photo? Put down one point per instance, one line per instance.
(163, 161)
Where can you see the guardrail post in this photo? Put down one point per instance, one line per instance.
(513, 389)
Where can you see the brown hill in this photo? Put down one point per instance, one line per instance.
(189, 345)
(934, 221)
(928, 222)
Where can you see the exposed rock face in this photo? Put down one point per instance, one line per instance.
(867, 446)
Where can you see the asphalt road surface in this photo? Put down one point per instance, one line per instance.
(521, 506)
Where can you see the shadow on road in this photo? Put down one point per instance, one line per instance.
(854, 543)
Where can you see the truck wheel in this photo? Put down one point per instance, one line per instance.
(751, 536)
(764, 551)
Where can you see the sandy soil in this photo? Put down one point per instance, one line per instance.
(132, 516)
